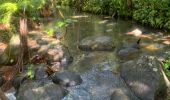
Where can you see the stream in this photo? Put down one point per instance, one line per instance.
(100, 69)
(89, 25)
(96, 67)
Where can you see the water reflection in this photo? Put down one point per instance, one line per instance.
(89, 25)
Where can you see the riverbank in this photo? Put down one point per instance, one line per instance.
(154, 13)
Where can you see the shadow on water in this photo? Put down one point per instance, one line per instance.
(121, 31)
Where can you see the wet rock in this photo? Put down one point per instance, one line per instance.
(43, 49)
(144, 77)
(55, 54)
(97, 43)
(65, 61)
(39, 91)
(128, 52)
(66, 78)
(42, 42)
(33, 45)
(40, 72)
(98, 85)
(119, 95)
(1, 81)
(18, 80)
(12, 51)
(53, 67)
(10, 94)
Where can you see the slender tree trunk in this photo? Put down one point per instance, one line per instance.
(24, 55)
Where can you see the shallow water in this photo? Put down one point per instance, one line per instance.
(89, 25)
(94, 67)
(105, 62)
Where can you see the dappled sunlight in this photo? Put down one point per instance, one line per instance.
(109, 30)
(135, 32)
(140, 87)
(103, 21)
(166, 40)
(145, 36)
(107, 17)
(80, 16)
(2, 46)
(4, 26)
(111, 24)
(32, 44)
(39, 90)
(138, 33)
(153, 47)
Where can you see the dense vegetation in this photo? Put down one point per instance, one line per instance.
(11, 8)
(155, 13)
(166, 65)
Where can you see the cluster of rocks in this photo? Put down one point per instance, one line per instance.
(141, 76)
(139, 79)
(43, 85)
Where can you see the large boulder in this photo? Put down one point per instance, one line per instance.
(99, 84)
(39, 91)
(66, 78)
(97, 43)
(129, 51)
(12, 51)
(144, 77)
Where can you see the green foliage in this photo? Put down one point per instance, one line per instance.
(152, 12)
(60, 25)
(50, 32)
(155, 13)
(6, 35)
(121, 8)
(64, 2)
(30, 72)
(30, 8)
(6, 11)
(166, 65)
(97, 6)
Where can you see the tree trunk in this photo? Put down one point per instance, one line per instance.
(23, 37)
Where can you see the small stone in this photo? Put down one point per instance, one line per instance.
(56, 58)
(97, 43)
(61, 53)
(52, 52)
(40, 72)
(155, 69)
(66, 78)
(39, 91)
(43, 49)
(56, 66)
(150, 64)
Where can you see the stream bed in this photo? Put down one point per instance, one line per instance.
(100, 70)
